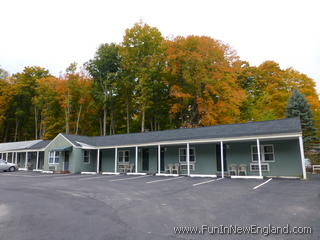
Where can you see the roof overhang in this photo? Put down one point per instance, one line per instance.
(63, 149)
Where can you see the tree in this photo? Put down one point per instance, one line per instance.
(143, 61)
(203, 82)
(298, 107)
(105, 70)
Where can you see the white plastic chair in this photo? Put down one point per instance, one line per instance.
(176, 168)
(233, 169)
(169, 168)
(242, 169)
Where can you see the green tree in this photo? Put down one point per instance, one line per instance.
(143, 61)
(299, 107)
(105, 70)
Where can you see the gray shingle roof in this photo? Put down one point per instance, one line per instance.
(287, 125)
(40, 145)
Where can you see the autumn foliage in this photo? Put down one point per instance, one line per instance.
(148, 83)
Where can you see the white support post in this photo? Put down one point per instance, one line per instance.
(136, 164)
(98, 160)
(37, 161)
(188, 159)
(12, 157)
(259, 157)
(159, 159)
(302, 158)
(26, 162)
(16, 160)
(7, 156)
(222, 160)
(115, 160)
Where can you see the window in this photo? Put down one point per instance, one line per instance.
(124, 156)
(266, 153)
(86, 156)
(254, 167)
(183, 154)
(54, 157)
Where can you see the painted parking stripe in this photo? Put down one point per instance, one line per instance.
(262, 184)
(213, 180)
(163, 180)
(90, 178)
(128, 178)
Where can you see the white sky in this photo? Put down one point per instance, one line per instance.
(52, 34)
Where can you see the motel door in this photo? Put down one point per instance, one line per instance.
(66, 161)
(218, 157)
(145, 159)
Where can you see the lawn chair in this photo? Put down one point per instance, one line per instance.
(233, 169)
(176, 168)
(242, 169)
(169, 168)
(130, 168)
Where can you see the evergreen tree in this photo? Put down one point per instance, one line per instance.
(298, 106)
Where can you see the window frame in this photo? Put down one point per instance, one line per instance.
(55, 157)
(262, 164)
(123, 156)
(88, 157)
(262, 153)
(194, 154)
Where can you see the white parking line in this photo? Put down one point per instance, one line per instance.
(128, 178)
(90, 178)
(213, 180)
(262, 184)
(167, 179)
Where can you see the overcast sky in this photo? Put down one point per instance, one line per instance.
(52, 34)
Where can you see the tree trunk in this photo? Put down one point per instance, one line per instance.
(105, 116)
(143, 119)
(16, 130)
(128, 117)
(67, 115)
(78, 119)
(36, 122)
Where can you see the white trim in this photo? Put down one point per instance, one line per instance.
(123, 156)
(136, 173)
(262, 153)
(167, 175)
(194, 154)
(37, 160)
(262, 164)
(22, 169)
(116, 160)
(89, 156)
(259, 157)
(110, 173)
(222, 160)
(284, 177)
(57, 137)
(98, 160)
(262, 184)
(188, 158)
(37, 170)
(203, 175)
(89, 173)
(159, 159)
(302, 157)
(50, 172)
(208, 140)
(247, 177)
(136, 160)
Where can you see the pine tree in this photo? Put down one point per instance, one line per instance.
(298, 106)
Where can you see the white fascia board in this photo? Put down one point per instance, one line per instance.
(86, 146)
(57, 137)
(208, 140)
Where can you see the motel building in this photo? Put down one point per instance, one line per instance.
(246, 150)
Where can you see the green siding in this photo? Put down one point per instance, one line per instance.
(287, 157)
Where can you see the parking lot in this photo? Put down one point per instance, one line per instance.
(52, 206)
